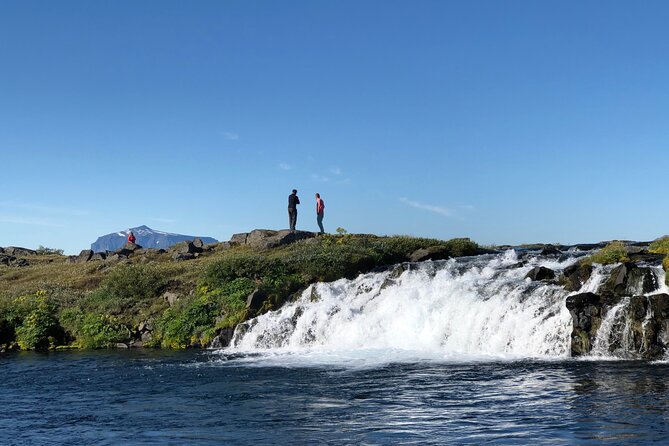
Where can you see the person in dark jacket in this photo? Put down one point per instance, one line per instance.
(293, 201)
(320, 212)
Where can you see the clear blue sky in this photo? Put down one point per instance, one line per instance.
(503, 121)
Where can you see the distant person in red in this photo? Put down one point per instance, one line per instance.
(320, 212)
(131, 237)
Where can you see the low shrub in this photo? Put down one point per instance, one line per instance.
(193, 320)
(44, 251)
(242, 265)
(39, 329)
(126, 290)
(94, 330)
(614, 252)
(660, 246)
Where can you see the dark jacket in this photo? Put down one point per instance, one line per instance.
(293, 201)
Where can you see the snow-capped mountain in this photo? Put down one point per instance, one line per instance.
(146, 237)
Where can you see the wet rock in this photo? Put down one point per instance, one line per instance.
(585, 310)
(540, 273)
(223, 338)
(314, 295)
(629, 279)
(647, 257)
(550, 250)
(574, 276)
(255, 300)
(640, 330)
(430, 253)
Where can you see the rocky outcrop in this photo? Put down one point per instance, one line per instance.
(585, 310)
(550, 250)
(10, 260)
(222, 339)
(431, 253)
(576, 275)
(187, 250)
(84, 256)
(268, 239)
(255, 300)
(17, 252)
(98, 256)
(540, 273)
(629, 279)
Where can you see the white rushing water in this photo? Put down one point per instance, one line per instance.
(465, 308)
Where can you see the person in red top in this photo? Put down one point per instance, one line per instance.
(320, 212)
(131, 237)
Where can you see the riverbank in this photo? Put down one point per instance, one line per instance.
(194, 295)
(189, 296)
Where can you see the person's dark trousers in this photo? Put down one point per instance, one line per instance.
(319, 219)
(292, 218)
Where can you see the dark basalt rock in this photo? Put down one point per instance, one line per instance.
(255, 300)
(629, 279)
(84, 256)
(540, 273)
(431, 253)
(586, 313)
(647, 257)
(575, 276)
(223, 338)
(550, 250)
(188, 247)
(17, 251)
(132, 247)
(268, 239)
(180, 256)
(645, 319)
(116, 257)
(21, 263)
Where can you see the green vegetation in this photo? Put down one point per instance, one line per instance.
(614, 252)
(100, 304)
(660, 246)
(43, 251)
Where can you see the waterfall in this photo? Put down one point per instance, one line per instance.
(461, 307)
(615, 327)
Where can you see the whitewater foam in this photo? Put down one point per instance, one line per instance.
(450, 310)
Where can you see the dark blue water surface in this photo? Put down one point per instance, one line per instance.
(157, 397)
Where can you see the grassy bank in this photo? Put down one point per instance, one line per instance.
(153, 301)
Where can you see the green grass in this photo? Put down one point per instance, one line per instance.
(614, 252)
(660, 246)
